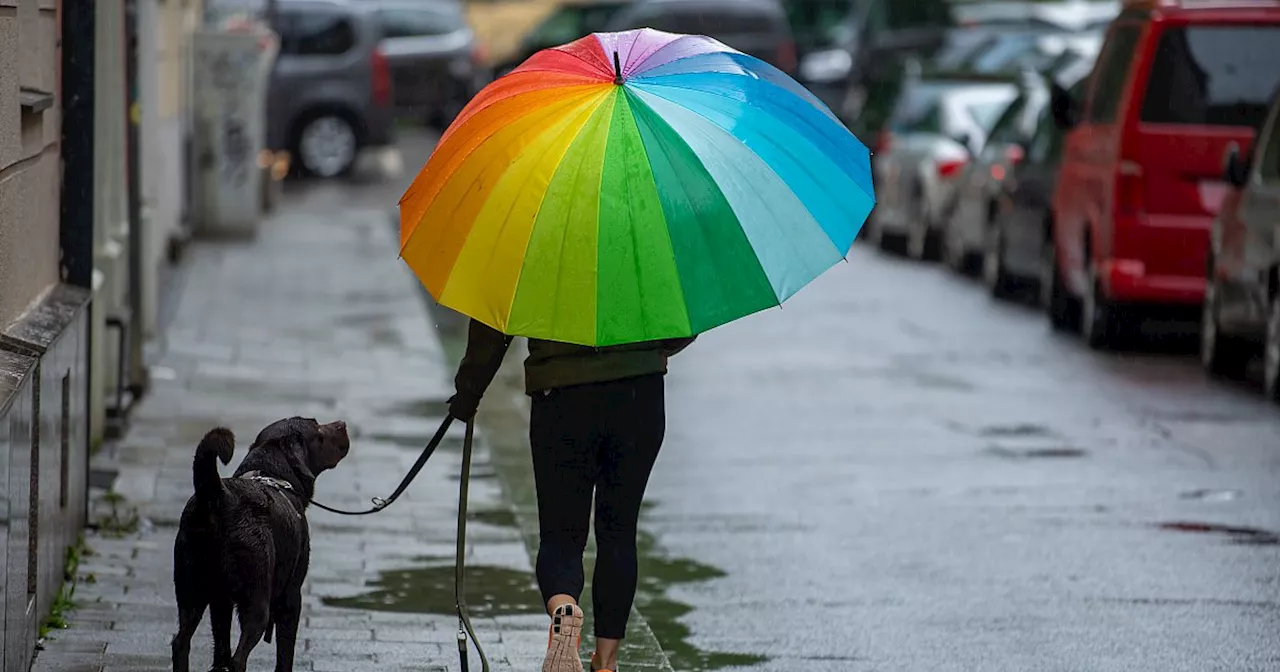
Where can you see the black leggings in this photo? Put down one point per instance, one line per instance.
(602, 437)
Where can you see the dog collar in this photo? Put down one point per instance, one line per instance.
(267, 480)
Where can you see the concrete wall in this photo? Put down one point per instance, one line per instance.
(29, 206)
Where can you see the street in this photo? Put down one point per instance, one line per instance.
(894, 472)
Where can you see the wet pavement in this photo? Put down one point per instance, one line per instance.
(896, 473)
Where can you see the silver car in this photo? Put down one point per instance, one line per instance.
(331, 91)
(434, 56)
(935, 129)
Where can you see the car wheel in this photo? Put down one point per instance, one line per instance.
(994, 275)
(1099, 317)
(1220, 355)
(327, 146)
(1271, 352)
(1053, 296)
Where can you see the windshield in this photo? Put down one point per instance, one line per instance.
(819, 24)
(1213, 75)
(571, 22)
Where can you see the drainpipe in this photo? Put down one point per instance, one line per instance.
(75, 230)
(137, 374)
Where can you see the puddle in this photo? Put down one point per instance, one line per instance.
(491, 591)
(1208, 495)
(659, 573)
(1053, 453)
(1251, 536)
(1009, 431)
(385, 335)
(494, 517)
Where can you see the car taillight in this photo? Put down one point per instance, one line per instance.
(381, 77)
(949, 168)
(884, 141)
(787, 59)
(1014, 154)
(1129, 188)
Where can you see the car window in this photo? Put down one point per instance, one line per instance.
(711, 21)
(1046, 144)
(819, 24)
(985, 113)
(1269, 169)
(1006, 128)
(1112, 73)
(315, 33)
(571, 22)
(1213, 75)
(419, 21)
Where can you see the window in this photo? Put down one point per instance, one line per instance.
(315, 34)
(1213, 75)
(1007, 128)
(419, 22)
(1046, 144)
(1269, 169)
(1112, 73)
(714, 22)
(570, 23)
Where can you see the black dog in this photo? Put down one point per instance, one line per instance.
(243, 541)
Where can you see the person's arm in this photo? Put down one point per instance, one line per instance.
(486, 348)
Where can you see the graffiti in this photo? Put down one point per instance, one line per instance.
(236, 151)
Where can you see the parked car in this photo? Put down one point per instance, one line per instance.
(1140, 183)
(1017, 248)
(1242, 285)
(436, 63)
(1073, 15)
(755, 27)
(330, 95)
(936, 127)
(972, 217)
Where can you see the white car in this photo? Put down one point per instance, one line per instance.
(935, 129)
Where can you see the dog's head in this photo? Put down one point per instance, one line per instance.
(302, 445)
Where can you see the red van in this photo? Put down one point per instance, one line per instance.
(1176, 83)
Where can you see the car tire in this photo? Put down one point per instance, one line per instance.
(326, 145)
(1220, 355)
(1099, 316)
(994, 274)
(1271, 351)
(1054, 299)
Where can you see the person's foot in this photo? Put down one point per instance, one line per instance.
(595, 667)
(562, 644)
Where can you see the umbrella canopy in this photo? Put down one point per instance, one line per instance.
(634, 186)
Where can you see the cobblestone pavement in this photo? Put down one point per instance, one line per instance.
(316, 317)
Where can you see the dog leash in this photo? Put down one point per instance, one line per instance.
(465, 629)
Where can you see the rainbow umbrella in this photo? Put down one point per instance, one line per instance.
(634, 186)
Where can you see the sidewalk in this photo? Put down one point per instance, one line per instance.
(316, 318)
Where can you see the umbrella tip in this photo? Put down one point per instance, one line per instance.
(617, 69)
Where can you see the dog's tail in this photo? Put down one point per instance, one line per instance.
(218, 444)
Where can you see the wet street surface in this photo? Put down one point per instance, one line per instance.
(896, 473)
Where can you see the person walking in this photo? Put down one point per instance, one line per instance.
(596, 424)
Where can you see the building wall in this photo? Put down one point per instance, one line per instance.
(29, 205)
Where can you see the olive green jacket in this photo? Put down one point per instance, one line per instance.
(552, 365)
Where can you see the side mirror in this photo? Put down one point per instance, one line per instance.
(1236, 168)
(1066, 112)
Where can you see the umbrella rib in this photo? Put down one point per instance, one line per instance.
(800, 118)
(805, 167)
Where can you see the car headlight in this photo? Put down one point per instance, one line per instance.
(824, 67)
